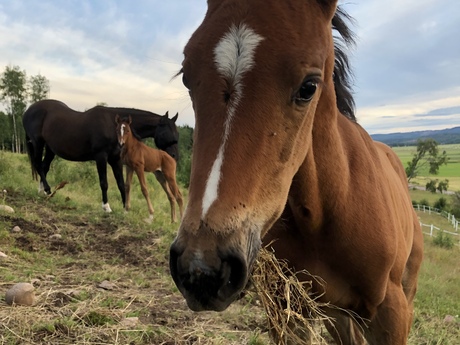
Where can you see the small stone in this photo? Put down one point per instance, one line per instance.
(16, 229)
(129, 322)
(106, 285)
(21, 294)
(449, 319)
(3, 255)
(6, 208)
(55, 237)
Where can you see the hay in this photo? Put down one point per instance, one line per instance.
(292, 310)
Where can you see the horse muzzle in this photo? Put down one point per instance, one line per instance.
(209, 279)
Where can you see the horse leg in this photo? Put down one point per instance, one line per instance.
(390, 324)
(164, 184)
(39, 146)
(141, 176)
(117, 168)
(101, 164)
(171, 179)
(343, 329)
(46, 164)
(129, 179)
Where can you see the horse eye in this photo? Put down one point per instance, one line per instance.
(185, 81)
(306, 92)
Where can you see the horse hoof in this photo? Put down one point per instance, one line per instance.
(106, 207)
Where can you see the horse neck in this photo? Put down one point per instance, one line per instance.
(321, 181)
(131, 142)
(145, 123)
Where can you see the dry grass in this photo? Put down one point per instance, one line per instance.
(293, 310)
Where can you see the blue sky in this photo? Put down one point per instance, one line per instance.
(124, 53)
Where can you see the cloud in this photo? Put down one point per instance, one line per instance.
(118, 53)
(125, 53)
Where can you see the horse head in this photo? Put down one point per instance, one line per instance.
(257, 86)
(166, 135)
(123, 129)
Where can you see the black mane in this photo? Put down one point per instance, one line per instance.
(343, 74)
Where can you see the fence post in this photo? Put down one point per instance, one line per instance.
(431, 230)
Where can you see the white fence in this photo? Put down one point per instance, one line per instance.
(450, 217)
(432, 228)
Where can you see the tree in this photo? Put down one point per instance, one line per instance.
(427, 155)
(5, 131)
(39, 88)
(443, 185)
(455, 204)
(13, 94)
(431, 186)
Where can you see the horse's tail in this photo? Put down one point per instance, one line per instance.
(31, 153)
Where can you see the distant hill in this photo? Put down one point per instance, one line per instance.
(442, 136)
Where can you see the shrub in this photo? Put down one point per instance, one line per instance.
(440, 204)
(443, 240)
(424, 202)
(431, 186)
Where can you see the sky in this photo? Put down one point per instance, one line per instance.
(124, 53)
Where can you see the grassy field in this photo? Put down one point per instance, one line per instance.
(67, 246)
(451, 171)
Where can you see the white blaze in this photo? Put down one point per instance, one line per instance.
(233, 56)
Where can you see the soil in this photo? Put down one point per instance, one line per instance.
(136, 265)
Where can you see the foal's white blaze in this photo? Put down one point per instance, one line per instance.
(233, 56)
(122, 133)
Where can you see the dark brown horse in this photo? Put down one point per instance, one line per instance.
(140, 158)
(279, 156)
(52, 127)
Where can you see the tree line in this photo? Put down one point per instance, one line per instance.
(17, 91)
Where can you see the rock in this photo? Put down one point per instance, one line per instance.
(3, 255)
(449, 319)
(55, 237)
(129, 322)
(21, 294)
(106, 285)
(6, 208)
(16, 229)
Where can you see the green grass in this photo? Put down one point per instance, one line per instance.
(451, 171)
(133, 255)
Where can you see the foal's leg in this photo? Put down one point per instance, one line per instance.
(101, 164)
(164, 184)
(129, 179)
(170, 177)
(145, 191)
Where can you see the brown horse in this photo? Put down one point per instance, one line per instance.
(278, 155)
(141, 158)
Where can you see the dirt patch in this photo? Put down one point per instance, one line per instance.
(67, 257)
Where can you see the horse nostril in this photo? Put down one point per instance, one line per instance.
(233, 277)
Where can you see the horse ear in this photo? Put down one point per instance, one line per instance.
(175, 117)
(166, 114)
(130, 119)
(117, 119)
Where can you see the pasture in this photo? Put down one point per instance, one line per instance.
(450, 171)
(141, 304)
